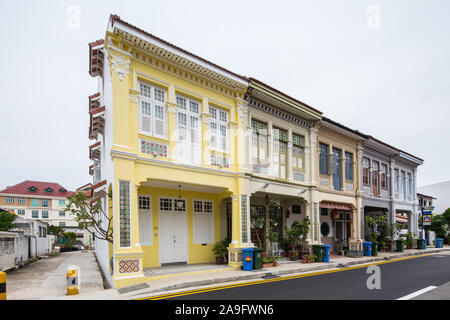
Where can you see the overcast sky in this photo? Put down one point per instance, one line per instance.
(381, 67)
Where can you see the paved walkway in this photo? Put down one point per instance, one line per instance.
(52, 284)
(46, 279)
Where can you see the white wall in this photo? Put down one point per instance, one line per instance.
(7, 250)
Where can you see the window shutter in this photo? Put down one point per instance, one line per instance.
(146, 116)
(213, 132)
(160, 120)
(182, 138)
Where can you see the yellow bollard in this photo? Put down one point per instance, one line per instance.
(2, 286)
(73, 278)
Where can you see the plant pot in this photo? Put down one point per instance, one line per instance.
(293, 255)
(275, 263)
(219, 260)
(304, 260)
(267, 265)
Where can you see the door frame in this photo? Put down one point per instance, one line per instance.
(185, 228)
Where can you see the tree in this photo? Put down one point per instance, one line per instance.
(6, 220)
(91, 218)
(70, 239)
(54, 230)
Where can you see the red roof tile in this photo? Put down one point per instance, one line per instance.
(22, 188)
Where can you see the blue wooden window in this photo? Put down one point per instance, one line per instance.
(348, 166)
(337, 172)
(323, 158)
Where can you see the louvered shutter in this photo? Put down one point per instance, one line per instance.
(146, 116)
(160, 120)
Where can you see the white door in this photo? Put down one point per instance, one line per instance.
(172, 231)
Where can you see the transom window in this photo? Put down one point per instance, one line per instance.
(165, 204)
(144, 203)
(189, 144)
(279, 152)
(218, 127)
(259, 138)
(297, 151)
(153, 118)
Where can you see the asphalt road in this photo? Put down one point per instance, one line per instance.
(398, 279)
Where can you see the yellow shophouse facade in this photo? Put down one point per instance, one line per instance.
(166, 126)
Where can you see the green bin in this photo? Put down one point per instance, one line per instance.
(257, 259)
(375, 249)
(319, 251)
(400, 245)
(420, 243)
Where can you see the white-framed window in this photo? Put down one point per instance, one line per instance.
(259, 141)
(35, 214)
(218, 128)
(21, 200)
(298, 154)
(189, 133)
(44, 214)
(203, 221)
(9, 200)
(62, 213)
(44, 203)
(21, 212)
(152, 110)
(145, 221)
(279, 153)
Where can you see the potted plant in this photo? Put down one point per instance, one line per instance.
(297, 234)
(309, 258)
(220, 250)
(267, 262)
(275, 260)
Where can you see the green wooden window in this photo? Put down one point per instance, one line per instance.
(298, 155)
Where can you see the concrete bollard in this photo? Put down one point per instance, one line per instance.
(73, 280)
(2, 286)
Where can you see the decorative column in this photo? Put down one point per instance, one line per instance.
(392, 191)
(240, 232)
(313, 150)
(206, 160)
(243, 152)
(290, 174)
(270, 149)
(119, 64)
(343, 188)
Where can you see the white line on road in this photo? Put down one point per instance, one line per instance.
(417, 293)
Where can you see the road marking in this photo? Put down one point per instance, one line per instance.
(201, 290)
(417, 293)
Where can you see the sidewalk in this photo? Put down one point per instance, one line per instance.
(46, 279)
(191, 280)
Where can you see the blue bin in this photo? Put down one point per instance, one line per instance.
(439, 242)
(326, 253)
(367, 248)
(425, 244)
(247, 256)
